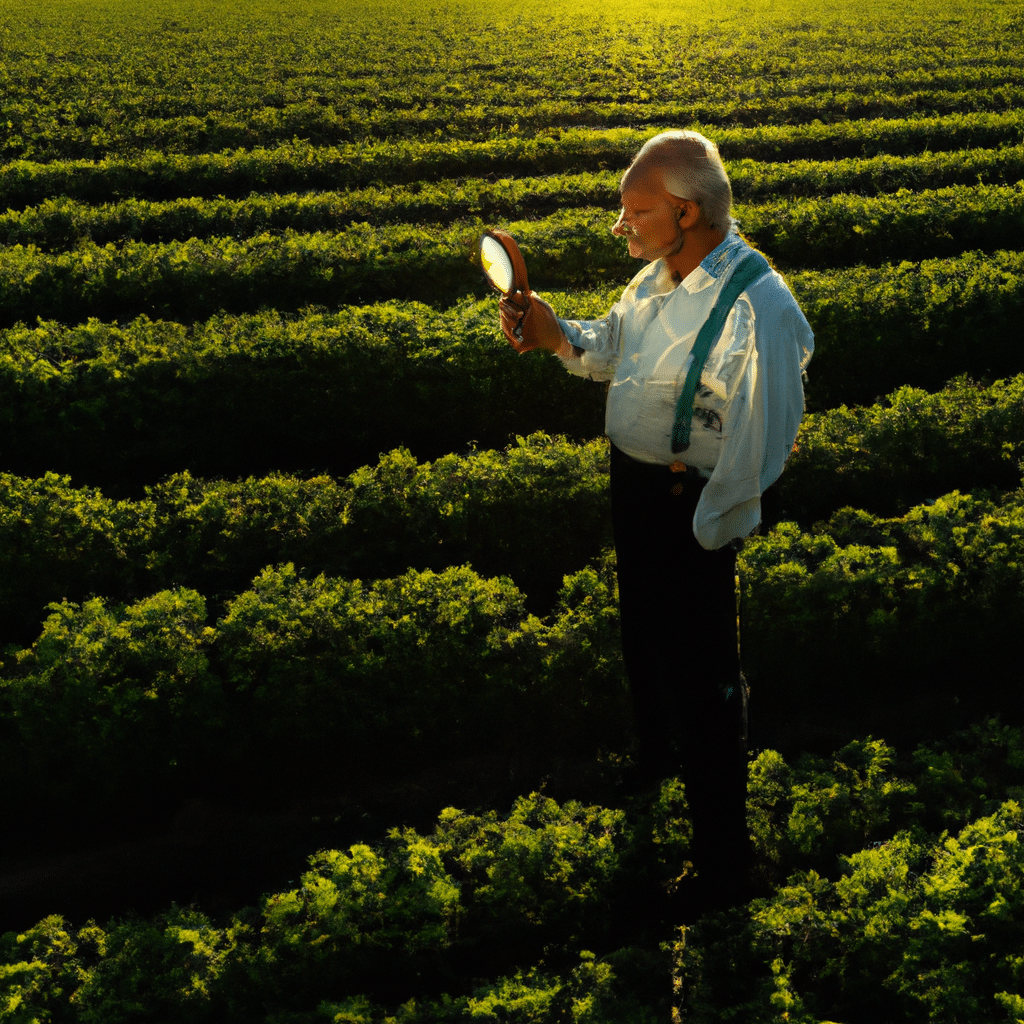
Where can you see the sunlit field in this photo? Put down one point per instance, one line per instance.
(311, 700)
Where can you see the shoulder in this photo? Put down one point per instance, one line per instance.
(770, 296)
(777, 317)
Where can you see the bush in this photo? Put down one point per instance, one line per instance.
(111, 701)
(441, 906)
(924, 601)
(333, 668)
(903, 451)
(122, 405)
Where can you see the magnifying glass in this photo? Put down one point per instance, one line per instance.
(505, 268)
(503, 263)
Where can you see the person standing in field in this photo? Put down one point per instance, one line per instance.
(695, 441)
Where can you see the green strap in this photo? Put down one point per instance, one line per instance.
(746, 272)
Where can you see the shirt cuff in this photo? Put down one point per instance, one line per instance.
(586, 360)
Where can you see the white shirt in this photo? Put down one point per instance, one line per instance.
(750, 400)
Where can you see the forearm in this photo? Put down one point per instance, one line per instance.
(586, 348)
(566, 350)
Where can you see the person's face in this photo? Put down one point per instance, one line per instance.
(649, 218)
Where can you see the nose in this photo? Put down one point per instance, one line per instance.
(619, 227)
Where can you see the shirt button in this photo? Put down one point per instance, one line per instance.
(677, 489)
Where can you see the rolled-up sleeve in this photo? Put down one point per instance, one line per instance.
(596, 346)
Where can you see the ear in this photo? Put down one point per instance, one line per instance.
(689, 213)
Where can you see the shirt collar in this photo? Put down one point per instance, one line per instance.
(717, 263)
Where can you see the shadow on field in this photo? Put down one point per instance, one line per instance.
(224, 850)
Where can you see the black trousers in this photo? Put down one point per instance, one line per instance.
(677, 605)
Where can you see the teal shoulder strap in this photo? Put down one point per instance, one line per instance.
(745, 273)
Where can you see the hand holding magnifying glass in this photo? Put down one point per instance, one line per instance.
(526, 320)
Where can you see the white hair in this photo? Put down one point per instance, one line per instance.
(690, 168)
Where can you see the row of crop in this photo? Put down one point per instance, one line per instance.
(303, 676)
(121, 406)
(57, 541)
(397, 88)
(193, 278)
(842, 230)
(64, 223)
(922, 607)
(883, 154)
(876, 329)
(911, 929)
(891, 455)
(825, 232)
(929, 598)
(328, 125)
(874, 175)
(379, 932)
(401, 922)
(196, 277)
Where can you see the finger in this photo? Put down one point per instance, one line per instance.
(518, 302)
(509, 327)
(510, 319)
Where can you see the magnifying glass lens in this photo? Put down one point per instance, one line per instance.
(497, 265)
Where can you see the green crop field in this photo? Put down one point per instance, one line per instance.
(282, 517)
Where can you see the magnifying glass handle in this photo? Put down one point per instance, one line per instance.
(516, 316)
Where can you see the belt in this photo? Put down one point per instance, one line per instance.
(678, 477)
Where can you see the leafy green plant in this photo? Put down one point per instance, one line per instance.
(322, 662)
(907, 449)
(816, 809)
(120, 696)
(418, 903)
(926, 598)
